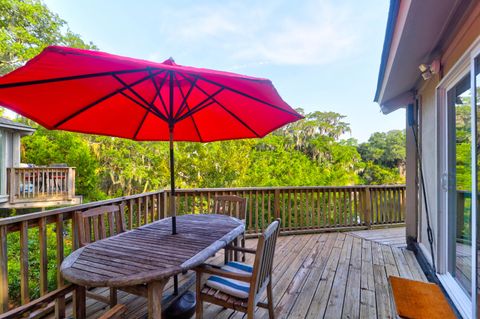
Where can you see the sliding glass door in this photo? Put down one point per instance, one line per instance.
(459, 265)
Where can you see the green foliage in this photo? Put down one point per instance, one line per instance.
(384, 158)
(28, 26)
(13, 240)
(46, 147)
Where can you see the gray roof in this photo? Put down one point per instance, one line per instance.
(6, 123)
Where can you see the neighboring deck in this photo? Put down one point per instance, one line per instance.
(330, 275)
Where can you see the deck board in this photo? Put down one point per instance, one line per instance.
(330, 275)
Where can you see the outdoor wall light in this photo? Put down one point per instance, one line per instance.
(429, 69)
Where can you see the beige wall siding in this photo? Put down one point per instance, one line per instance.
(429, 135)
(429, 150)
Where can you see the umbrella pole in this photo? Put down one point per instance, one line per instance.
(172, 201)
(173, 211)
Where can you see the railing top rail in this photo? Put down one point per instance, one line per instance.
(53, 212)
(34, 216)
(233, 189)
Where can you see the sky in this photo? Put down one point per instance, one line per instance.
(321, 55)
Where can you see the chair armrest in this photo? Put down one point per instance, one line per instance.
(211, 270)
(245, 250)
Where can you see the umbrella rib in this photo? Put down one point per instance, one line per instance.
(158, 93)
(193, 111)
(100, 100)
(132, 90)
(200, 105)
(147, 108)
(184, 102)
(237, 118)
(229, 112)
(70, 78)
(140, 126)
(249, 96)
(186, 105)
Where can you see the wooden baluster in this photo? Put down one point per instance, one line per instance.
(147, 204)
(166, 201)
(42, 234)
(269, 212)
(139, 212)
(102, 230)
(345, 207)
(385, 206)
(368, 208)
(130, 214)
(289, 209)
(60, 248)
(24, 292)
(256, 212)
(325, 207)
(295, 209)
(355, 207)
(3, 270)
(159, 206)
(262, 219)
(276, 204)
(111, 223)
(308, 208)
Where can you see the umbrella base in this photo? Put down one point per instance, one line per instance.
(182, 308)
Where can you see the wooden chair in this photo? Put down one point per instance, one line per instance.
(92, 225)
(233, 206)
(259, 280)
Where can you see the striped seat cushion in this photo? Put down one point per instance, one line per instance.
(232, 287)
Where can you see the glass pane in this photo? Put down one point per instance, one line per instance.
(459, 103)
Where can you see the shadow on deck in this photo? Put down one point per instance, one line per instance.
(330, 275)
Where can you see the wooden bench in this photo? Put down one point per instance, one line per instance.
(418, 300)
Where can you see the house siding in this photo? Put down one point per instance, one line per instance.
(430, 130)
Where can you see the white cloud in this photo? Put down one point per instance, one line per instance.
(317, 32)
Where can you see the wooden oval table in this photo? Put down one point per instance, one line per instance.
(148, 255)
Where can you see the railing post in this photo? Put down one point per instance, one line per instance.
(3, 270)
(367, 209)
(276, 203)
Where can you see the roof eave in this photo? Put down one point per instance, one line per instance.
(391, 21)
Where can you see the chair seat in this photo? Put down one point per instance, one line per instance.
(235, 302)
(229, 286)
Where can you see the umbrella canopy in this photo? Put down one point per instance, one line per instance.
(99, 93)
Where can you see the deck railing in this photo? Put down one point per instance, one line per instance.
(33, 246)
(30, 184)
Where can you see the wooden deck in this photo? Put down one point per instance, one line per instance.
(386, 236)
(330, 275)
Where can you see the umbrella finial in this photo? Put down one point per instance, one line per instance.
(169, 61)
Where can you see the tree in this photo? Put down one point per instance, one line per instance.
(384, 157)
(28, 26)
(387, 149)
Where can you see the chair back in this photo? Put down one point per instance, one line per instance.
(230, 205)
(92, 224)
(262, 267)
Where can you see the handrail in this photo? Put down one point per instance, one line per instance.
(50, 234)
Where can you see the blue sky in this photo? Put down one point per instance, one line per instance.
(320, 55)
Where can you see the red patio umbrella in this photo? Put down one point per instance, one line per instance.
(99, 93)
